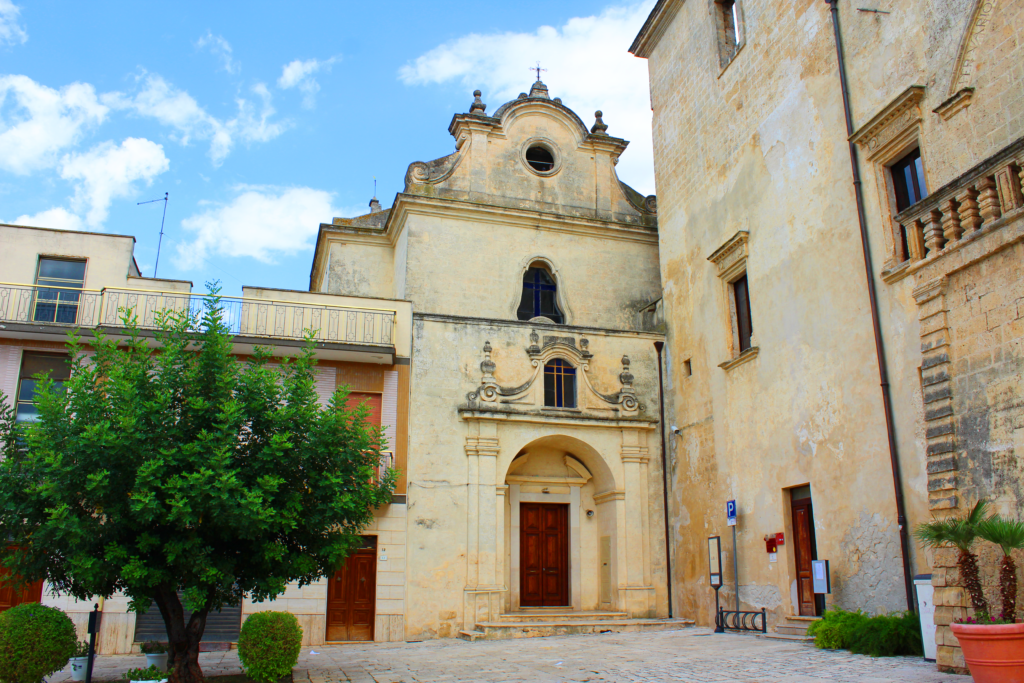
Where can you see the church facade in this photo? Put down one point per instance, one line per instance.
(534, 478)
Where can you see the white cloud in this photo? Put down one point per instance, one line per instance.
(260, 222)
(176, 108)
(43, 121)
(108, 171)
(299, 74)
(11, 31)
(58, 218)
(219, 48)
(588, 66)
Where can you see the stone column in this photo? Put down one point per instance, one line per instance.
(635, 539)
(483, 584)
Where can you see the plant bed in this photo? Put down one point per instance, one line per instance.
(242, 678)
(883, 635)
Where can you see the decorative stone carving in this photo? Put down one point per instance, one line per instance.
(599, 127)
(889, 125)
(966, 56)
(530, 392)
(731, 257)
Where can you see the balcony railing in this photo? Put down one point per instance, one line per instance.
(264, 318)
(387, 461)
(965, 207)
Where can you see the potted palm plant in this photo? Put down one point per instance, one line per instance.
(993, 646)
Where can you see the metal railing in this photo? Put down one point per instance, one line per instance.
(387, 461)
(246, 317)
(741, 621)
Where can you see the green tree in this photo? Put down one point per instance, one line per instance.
(169, 467)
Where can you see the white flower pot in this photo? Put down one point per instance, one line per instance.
(79, 666)
(159, 661)
(162, 680)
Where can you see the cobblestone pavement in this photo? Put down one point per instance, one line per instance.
(691, 654)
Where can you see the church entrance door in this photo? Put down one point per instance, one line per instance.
(544, 548)
(352, 597)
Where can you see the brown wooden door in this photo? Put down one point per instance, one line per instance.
(352, 597)
(803, 545)
(11, 596)
(544, 555)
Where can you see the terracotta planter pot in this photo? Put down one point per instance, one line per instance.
(994, 653)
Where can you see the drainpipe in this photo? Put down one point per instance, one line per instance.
(883, 373)
(658, 345)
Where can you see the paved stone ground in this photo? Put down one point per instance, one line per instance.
(692, 654)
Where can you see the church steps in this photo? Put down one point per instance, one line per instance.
(499, 630)
(558, 616)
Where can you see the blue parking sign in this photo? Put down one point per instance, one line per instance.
(730, 512)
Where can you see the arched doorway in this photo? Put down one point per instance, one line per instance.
(562, 530)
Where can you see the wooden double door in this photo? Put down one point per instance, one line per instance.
(11, 596)
(544, 555)
(352, 597)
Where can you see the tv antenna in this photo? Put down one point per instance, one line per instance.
(160, 241)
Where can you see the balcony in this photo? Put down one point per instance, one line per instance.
(41, 310)
(982, 202)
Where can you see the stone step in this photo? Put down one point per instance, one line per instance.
(498, 630)
(791, 630)
(558, 616)
(784, 636)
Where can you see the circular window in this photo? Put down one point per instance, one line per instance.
(540, 159)
(540, 156)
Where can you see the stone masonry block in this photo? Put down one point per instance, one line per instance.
(942, 503)
(942, 483)
(950, 596)
(944, 557)
(939, 576)
(941, 447)
(938, 429)
(942, 464)
(943, 616)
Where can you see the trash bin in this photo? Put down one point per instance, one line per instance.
(926, 608)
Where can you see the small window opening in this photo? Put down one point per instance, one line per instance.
(727, 22)
(58, 288)
(559, 384)
(741, 300)
(540, 158)
(687, 368)
(539, 296)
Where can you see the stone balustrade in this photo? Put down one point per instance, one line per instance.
(981, 199)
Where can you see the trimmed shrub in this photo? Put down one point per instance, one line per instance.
(35, 641)
(150, 673)
(269, 645)
(884, 635)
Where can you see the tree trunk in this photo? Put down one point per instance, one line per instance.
(183, 639)
(968, 564)
(1008, 587)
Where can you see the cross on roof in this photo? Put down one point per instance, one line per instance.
(537, 69)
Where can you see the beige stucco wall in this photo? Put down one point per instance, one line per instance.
(109, 257)
(761, 146)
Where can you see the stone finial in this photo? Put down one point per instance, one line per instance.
(539, 90)
(488, 366)
(626, 377)
(374, 205)
(478, 106)
(557, 99)
(599, 127)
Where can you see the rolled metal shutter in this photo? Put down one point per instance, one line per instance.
(221, 627)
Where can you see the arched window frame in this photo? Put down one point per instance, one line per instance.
(561, 294)
(560, 385)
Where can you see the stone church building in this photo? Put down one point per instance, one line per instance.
(534, 481)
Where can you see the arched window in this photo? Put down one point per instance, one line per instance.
(559, 384)
(539, 296)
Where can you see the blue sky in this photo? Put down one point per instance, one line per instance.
(264, 119)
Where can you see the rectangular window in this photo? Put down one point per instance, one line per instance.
(54, 365)
(59, 285)
(374, 401)
(741, 301)
(728, 27)
(908, 180)
(559, 384)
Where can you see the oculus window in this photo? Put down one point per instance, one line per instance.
(540, 296)
(58, 288)
(559, 384)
